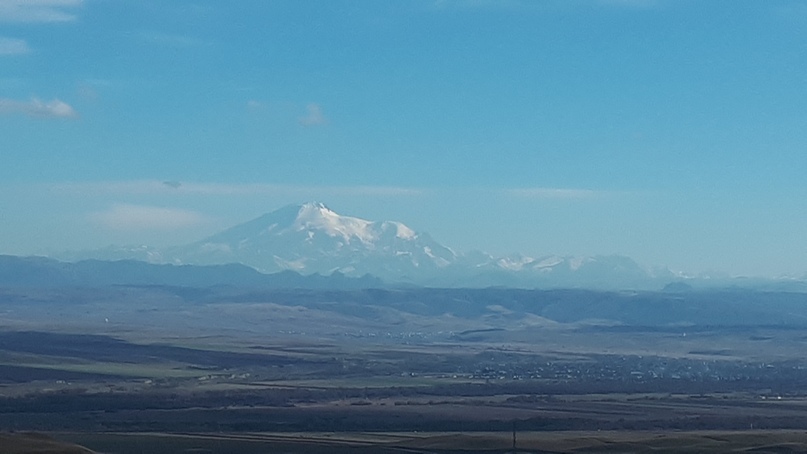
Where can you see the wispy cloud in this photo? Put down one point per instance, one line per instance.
(642, 4)
(314, 116)
(38, 10)
(253, 105)
(527, 5)
(37, 108)
(553, 193)
(184, 188)
(170, 39)
(172, 187)
(477, 4)
(143, 217)
(87, 91)
(13, 46)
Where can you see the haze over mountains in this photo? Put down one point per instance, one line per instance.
(313, 239)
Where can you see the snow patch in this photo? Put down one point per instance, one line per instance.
(514, 263)
(319, 217)
(577, 262)
(549, 262)
(403, 232)
(296, 265)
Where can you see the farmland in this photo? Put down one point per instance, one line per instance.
(147, 369)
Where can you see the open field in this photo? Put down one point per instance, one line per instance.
(147, 372)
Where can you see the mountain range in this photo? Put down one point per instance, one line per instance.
(313, 239)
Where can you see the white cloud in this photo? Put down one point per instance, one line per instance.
(141, 217)
(314, 116)
(553, 193)
(13, 46)
(38, 10)
(37, 108)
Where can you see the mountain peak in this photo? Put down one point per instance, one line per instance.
(311, 237)
(314, 206)
(315, 210)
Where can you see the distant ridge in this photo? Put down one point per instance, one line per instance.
(41, 272)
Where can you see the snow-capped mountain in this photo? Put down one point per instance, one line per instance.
(312, 238)
(601, 271)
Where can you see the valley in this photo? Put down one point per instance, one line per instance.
(110, 366)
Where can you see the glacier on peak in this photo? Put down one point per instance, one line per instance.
(317, 216)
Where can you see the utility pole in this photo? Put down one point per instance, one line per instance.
(514, 436)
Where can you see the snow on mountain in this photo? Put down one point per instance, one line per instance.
(312, 238)
(514, 262)
(554, 264)
(611, 271)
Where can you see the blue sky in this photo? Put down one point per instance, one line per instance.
(671, 131)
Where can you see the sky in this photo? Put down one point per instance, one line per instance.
(670, 131)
